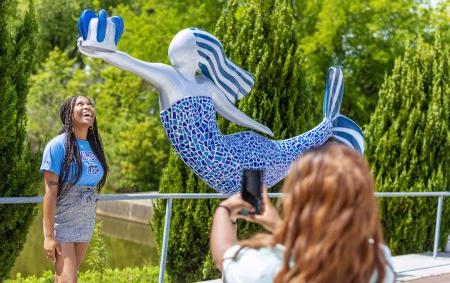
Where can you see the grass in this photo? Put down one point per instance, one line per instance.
(126, 275)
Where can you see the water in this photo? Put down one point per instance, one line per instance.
(128, 244)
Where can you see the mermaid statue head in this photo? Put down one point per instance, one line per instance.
(194, 50)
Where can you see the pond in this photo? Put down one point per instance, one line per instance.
(128, 244)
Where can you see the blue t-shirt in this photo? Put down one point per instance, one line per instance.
(52, 160)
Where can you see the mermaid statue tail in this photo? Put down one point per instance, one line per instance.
(344, 129)
(219, 159)
(334, 126)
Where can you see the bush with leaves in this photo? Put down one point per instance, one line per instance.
(127, 275)
(18, 166)
(409, 143)
(97, 257)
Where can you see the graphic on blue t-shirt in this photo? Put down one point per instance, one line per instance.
(90, 159)
(87, 155)
(92, 170)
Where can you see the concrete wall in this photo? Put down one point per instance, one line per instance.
(139, 211)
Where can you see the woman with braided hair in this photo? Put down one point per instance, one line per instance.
(329, 231)
(74, 169)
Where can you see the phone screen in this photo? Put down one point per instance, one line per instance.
(252, 182)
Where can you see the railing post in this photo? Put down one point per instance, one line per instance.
(162, 264)
(438, 226)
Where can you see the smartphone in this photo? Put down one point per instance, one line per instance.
(252, 182)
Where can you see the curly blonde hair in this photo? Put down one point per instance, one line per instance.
(330, 228)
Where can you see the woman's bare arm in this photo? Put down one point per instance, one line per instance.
(223, 236)
(51, 246)
(223, 230)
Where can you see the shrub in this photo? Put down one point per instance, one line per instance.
(409, 143)
(18, 172)
(127, 275)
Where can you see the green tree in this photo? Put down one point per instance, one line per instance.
(408, 143)
(57, 25)
(58, 78)
(17, 166)
(190, 222)
(364, 37)
(260, 36)
(57, 21)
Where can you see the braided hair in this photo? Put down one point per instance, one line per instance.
(72, 152)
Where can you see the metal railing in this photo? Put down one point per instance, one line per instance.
(170, 197)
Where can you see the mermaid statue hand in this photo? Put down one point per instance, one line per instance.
(99, 35)
(90, 52)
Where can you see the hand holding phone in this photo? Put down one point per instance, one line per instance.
(252, 182)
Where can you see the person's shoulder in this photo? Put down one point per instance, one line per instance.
(53, 155)
(57, 142)
(386, 252)
(236, 251)
(389, 273)
(264, 263)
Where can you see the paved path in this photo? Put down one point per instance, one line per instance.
(445, 278)
(421, 268)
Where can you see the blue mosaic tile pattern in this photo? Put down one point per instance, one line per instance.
(191, 126)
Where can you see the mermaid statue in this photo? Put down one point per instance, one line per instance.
(200, 82)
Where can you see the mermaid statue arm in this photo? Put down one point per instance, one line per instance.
(157, 74)
(228, 111)
(99, 36)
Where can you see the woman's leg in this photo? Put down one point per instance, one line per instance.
(66, 264)
(80, 252)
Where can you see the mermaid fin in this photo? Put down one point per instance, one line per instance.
(344, 129)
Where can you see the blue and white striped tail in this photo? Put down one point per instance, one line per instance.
(344, 129)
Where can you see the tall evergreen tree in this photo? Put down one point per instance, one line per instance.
(259, 36)
(16, 162)
(409, 143)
